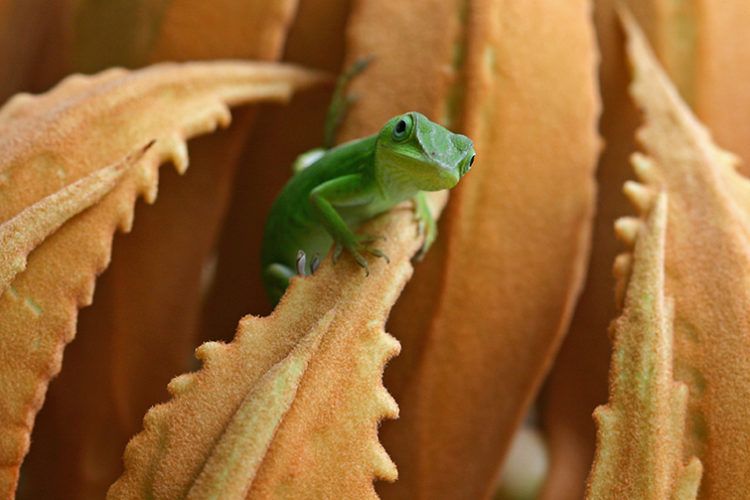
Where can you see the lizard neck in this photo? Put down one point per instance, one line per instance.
(394, 182)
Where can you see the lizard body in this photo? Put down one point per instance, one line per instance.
(347, 185)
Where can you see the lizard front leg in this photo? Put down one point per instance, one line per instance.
(346, 191)
(426, 224)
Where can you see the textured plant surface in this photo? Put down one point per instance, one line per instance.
(639, 453)
(301, 401)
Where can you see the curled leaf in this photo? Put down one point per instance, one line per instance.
(707, 269)
(287, 131)
(577, 383)
(114, 33)
(705, 50)
(195, 29)
(640, 431)
(290, 408)
(722, 96)
(50, 141)
(489, 305)
(30, 44)
(142, 327)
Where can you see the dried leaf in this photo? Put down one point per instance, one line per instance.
(577, 383)
(142, 328)
(707, 262)
(640, 431)
(50, 141)
(237, 29)
(115, 32)
(287, 132)
(722, 70)
(290, 408)
(705, 49)
(673, 28)
(489, 305)
(32, 44)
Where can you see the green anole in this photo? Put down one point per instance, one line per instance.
(335, 190)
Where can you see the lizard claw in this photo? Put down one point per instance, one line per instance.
(378, 253)
(338, 248)
(314, 264)
(301, 261)
(361, 261)
(360, 246)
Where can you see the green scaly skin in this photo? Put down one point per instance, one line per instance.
(352, 183)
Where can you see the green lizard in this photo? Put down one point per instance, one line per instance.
(335, 190)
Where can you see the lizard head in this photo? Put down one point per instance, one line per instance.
(417, 153)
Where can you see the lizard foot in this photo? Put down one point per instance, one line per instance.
(378, 253)
(357, 250)
(314, 264)
(337, 249)
(364, 245)
(426, 225)
(301, 262)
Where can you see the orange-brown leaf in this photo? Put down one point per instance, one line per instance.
(287, 132)
(578, 380)
(291, 407)
(707, 270)
(722, 70)
(706, 52)
(640, 431)
(490, 303)
(142, 328)
(26, 30)
(114, 33)
(20, 235)
(237, 29)
(52, 140)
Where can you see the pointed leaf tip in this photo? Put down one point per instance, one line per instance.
(640, 430)
(707, 270)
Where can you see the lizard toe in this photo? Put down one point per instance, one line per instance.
(379, 253)
(370, 238)
(301, 263)
(338, 248)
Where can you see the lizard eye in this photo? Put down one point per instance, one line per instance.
(403, 128)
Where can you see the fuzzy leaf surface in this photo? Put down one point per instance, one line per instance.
(640, 430)
(707, 262)
(51, 141)
(290, 408)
